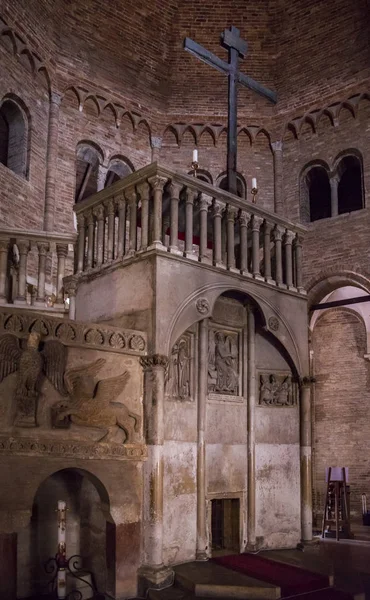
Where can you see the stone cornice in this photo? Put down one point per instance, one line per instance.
(33, 447)
(96, 336)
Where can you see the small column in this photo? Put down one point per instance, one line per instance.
(217, 242)
(230, 216)
(157, 184)
(8, 566)
(111, 212)
(70, 288)
(288, 240)
(131, 198)
(277, 149)
(153, 572)
(256, 224)
(51, 162)
(24, 248)
(43, 249)
(306, 464)
(99, 214)
(251, 366)
(156, 144)
(175, 189)
(102, 177)
(81, 242)
(203, 213)
(267, 250)
(202, 541)
(165, 226)
(298, 262)
(144, 190)
(62, 252)
(90, 239)
(334, 181)
(121, 205)
(4, 252)
(243, 225)
(189, 204)
(278, 236)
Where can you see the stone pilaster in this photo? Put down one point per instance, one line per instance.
(251, 366)
(306, 459)
(277, 149)
(51, 162)
(202, 538)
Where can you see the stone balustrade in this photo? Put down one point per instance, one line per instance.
(158, 209)
(32, 267)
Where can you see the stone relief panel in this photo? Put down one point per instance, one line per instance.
(277, 389)
(223, 362)
(179, 377)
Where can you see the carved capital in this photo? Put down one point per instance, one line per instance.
(120, 201)
(155, 360)
(244, 218)
(131, 195)
(204, 202)
(277, 146)
(99, 212)
(23, 246)
(190, 196)
(278, 233)
(55, 98)
(256, 222)
(4, 244)
(62, 250)
(43, 248)
(267, 227)
(80, 220)
(217, 209)
(175, 189)
(157, 183)
(89, 217)
(144, 190)
(289, 237)
(70, 285)
(110, 206)
(231, 212)
(298, 240)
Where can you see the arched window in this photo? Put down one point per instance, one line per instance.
(350, 195)
(203, 175)
(241, 186)
(89, 157)
(319, 193)
(118, 169)
(13, 137)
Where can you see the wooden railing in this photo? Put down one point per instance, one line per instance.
(156, 208)
(33, 265)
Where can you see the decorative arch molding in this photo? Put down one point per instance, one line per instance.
(179, 130)
(333, 278)
(240, 181)
(200, 304)
(85, 149)
(30, 60)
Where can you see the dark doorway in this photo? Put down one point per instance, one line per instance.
(225, 524)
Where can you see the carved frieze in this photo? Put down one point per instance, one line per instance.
(277, 389)
(34, 447)
(178, 377)
(73, 333)
(223, 362)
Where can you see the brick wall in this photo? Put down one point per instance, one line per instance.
(342, 403)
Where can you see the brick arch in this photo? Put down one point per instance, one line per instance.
(15, 123)
(333, 278)
(304, 197)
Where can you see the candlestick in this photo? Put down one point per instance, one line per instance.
(61, 553)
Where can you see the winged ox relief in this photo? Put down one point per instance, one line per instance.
(86, 402)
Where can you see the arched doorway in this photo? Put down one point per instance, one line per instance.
(90, 533)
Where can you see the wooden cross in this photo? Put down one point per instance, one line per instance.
(231, 40)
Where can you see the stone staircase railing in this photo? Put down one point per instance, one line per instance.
(32, 267)
(156, 208)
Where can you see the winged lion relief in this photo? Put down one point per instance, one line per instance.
(92, 404)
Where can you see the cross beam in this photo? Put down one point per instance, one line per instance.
(237, 48)
(344, 302)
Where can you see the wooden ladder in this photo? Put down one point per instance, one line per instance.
(338, 492)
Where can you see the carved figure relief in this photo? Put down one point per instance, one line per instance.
(276, 390)
(31, 364)
(223, 364)
(178, 374)
(92, 404)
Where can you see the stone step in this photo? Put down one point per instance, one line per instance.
(209, 580)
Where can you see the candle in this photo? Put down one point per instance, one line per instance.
(61, 524)
(195, 155)
(254, 183)
(61, 554)
(61, 584)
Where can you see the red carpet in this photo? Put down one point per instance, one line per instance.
(292, 580)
